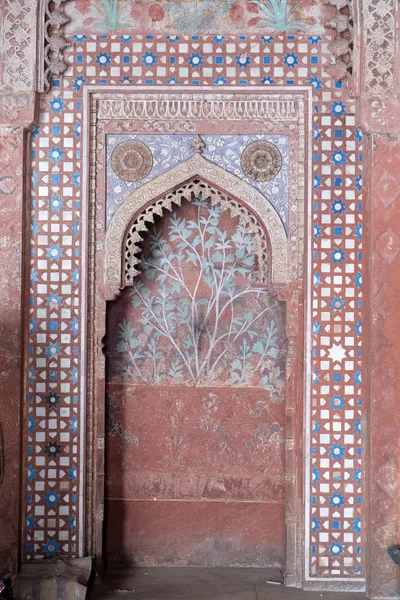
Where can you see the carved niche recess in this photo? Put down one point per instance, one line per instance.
(113, 251)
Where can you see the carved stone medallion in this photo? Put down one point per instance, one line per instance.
(261, 161)
(132, 160)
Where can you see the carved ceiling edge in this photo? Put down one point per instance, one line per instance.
(342, 46)
(137, 203)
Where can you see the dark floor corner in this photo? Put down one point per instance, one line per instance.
(203, 584)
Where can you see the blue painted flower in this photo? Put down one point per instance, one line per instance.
(219, 80)
(337, 451)
(195, 59)
(31, 424)
(79, 38)
(337, 303)
(56, 154)
(72, 523)
(76, 179)
(358, 328)
(172, 80)
(74, 424)
(291, 59)
(336, 549)
(52, 498)
(317, 231)
(317, 279)
(33, 276)
(316, 328)
(125, 38)
(55, 203)
(54, 298)
(54, 252)
(34, 227)
(35, 178)
(56, 105)
(317, 181)
(338, 157)
(336, 402)
(53, 349)
(32, 374)
(314, 39)
(243, 60)
(357, 524)
(316, 377)
(316, 426)
(315, 475)
(51, 548)
(74, 325)
(75, 228)
(267, 38)
(338, 108)
(338, 206)
(77, 129)
(338, 255)
(31, 473)
(103, 59)
(74, 375)
(336, 500)
(267, 80)
(358, 280)
(315, 524)
(218, 39)
(149, 59)
(315, 82)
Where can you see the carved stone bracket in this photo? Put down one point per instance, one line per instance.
(54, 42)
(342, 46)
(156, 193)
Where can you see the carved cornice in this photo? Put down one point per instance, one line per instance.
(157, 191)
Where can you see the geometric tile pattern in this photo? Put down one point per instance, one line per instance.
(54, 478)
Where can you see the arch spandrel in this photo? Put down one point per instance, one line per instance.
(155, 193)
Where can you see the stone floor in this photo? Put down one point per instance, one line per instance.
(203, 584)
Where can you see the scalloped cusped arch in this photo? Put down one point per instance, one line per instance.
(152, 198)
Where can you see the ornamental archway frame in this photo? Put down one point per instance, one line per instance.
(114, 111)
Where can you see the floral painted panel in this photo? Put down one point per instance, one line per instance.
(195, 315)
(224, 150)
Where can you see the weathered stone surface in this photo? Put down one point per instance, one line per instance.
(53, 579)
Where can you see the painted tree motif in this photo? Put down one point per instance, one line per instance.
(196, 316)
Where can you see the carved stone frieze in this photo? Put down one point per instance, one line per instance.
(180, 107)
(18, 44)
(379, 34)
(159, 188)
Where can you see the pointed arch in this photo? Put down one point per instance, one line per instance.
(154, 197)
